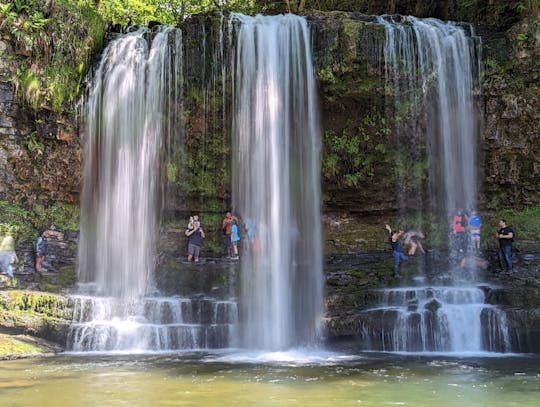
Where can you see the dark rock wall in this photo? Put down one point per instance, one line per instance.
(40, 153)
(40, 157)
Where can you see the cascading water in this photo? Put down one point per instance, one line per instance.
(129, 113)
(276, 181)
(430, 67)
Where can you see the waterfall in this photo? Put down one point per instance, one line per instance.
(434, 319)
(276, 184)
(430, 67)
(121, 184)
(131, 118)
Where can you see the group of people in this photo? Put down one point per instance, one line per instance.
(8, 256)
(195, 234)
(466, 231)
(412, 239)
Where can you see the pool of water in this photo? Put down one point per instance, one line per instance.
(270, 380)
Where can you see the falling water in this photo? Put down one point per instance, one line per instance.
(123, 142)
(276, 185)
(430, 67)
(131, 118)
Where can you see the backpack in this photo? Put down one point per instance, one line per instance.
(41, 245)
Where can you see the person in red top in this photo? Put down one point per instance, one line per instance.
(459, 224)
(227, 232)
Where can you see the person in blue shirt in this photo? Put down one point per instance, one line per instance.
(395, 244)
(475, 228)
(235, 238)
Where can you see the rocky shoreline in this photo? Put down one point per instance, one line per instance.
(350, 283)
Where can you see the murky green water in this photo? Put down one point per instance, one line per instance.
(204, 381)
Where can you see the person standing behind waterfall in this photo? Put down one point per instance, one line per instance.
(396, 249)
(459, 224)
(195, 236)
(475, 228)
(227, 232)
(506, 236)
(235, 238)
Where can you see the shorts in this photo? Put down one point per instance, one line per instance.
(194, 250)
(228, 240)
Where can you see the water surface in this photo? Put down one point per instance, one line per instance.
(210, 380)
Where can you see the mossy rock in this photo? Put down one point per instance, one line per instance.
(22, 346)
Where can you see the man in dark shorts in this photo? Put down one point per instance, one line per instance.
(195, 236)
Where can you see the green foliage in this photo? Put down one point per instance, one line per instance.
(326, 74)
(11, 347)
(171, 171)
(55, 42)
(14, 220)
(61, 214)
(139, 12)
(501, 13)
(66, 278)
(22, 224)
(526, 222)
(29, 86)
(33, 144)
(351, 156)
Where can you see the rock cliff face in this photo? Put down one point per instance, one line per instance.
(40, 152)
(40, 158)
(511, 138)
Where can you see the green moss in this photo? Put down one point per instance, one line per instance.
(44, 304)
(23, 223)
(56, 50)
(65, 278)
(16, 347)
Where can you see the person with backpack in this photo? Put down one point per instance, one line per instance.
(41, 250)
(506, 237)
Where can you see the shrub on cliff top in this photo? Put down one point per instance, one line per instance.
(53, 41)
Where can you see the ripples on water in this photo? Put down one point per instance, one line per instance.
(273, 379)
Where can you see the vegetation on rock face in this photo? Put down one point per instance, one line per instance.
(23, 224)
(39, 314)
(53, 42)
(138, 12)
(15, 347)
